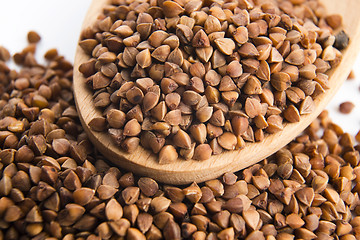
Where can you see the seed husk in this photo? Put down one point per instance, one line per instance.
(12, 214)
(182, 139)
(305, 196)
(130, 144)
(135, 95)
(226, 83)
(227, 140)
(132, 128)
(252, 86)
(197, 70)
(172, 230)
(198, 132)
(83, 196)
(150, 101)
(200, 40)
(225, 45)
(143, 58)
(161, 53)
(241, 35)
(188, 153)
(280, 81)
(252, 107)
(296, 57)
(172, 100)
(251, 218)
(173, 117)
(204, 53)
(248, 50)
(295, 94)
(157, 37)
(72, 181)
(204, 114)
(172, 9)
(307, 106)
(184, 33)
(130, 195)
(230, 97)
(148, 186)
(107, 57)
(134, 233)
(167, 155)
(294, 221)
(172, 41)
(144, 221)
(264, 71)
(202, 152)
(218, 118)
(292, 114)
(275, 123)
(113, 210)
(212, 24)
(116, 118)
(234, 205)
(218, 59)
(5, 185)
(212, 78)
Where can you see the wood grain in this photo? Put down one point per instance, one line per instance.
(143, 162)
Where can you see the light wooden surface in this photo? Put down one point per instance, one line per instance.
(144, 163)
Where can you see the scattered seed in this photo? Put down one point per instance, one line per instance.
(346, 107)
(33, 37)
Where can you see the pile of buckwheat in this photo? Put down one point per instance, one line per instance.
(195, 78)
(55, 185)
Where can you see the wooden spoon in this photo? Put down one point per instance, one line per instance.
(143, 162)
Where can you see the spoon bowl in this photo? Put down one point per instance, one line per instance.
(145, 163)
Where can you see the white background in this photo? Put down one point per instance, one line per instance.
(59, 23)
